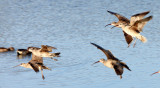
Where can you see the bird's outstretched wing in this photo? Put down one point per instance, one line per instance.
(35, 61)
(120, 17)
(137, 17)
(34, 66)
(118, 69)
(140, 23)
(46, 48)
(37, 58)
(108, 53)
(128, 37)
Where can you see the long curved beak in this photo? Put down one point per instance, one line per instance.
(113, 27)
(154, 73)
(16, 66)
(107, 25)
(95, 62)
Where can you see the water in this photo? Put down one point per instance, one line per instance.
(70, 25)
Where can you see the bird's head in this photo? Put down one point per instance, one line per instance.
(114, 24)
(11, 48)
(22, 64)
(101, 60)
(30, 49)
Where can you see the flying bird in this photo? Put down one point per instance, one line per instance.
(43, 51)
(112, 61)
(36, 63)
(135, 24)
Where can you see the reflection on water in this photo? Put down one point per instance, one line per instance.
(71, 26)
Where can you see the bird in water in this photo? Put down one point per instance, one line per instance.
(3, 49)
(36, 63)
(112, 61)
(23, 52)
(133, 27)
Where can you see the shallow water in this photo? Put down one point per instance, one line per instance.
(70, 25)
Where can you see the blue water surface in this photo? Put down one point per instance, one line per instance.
(70, 25)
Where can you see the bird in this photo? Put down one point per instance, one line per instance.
(36, 63)
(23, 52)
(136, 20)
(112, 61)
(155, 73)
(46, 48)
(3, 49)
(133, 30)
(43, 52)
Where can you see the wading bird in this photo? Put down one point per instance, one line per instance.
(44, 52)
(36, 63)
(136, 24)
(45, 48)
(112, 61)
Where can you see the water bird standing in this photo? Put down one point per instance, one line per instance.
(133, 27)
(112, 61)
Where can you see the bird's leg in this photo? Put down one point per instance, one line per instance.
(134, 43)
(42, 74)
(120, 76)
(128, 45)
(54, 59)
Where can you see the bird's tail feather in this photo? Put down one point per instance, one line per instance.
(45, 67)
(142, 38)
(55, 54)
(124, 65)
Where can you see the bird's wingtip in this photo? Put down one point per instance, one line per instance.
(91, 43)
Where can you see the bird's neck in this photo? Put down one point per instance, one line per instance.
(123, 26)
(26, 65)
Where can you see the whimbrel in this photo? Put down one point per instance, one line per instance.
(36, 63)
(24, 52)
(136, 20)
(43, 52)
(112, 61)
(134, 30)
